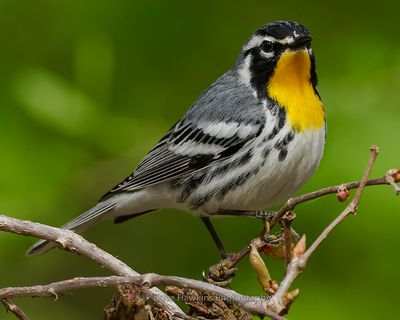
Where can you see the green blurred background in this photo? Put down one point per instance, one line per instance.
(88, 87)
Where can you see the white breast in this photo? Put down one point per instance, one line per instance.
(277, 180)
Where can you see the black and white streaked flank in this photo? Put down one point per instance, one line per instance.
(234, 149)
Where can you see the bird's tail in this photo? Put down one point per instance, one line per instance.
(79, 225)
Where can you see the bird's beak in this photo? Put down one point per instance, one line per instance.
(301, 42)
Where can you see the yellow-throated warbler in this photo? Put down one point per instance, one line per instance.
(248, 142)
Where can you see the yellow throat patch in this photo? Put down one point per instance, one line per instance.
(291, 87)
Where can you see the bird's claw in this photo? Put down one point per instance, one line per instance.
(272, 238)
(220, 274)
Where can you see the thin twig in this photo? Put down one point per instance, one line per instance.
(350, 209)
(70, 241)
(14, 309)
(253, 305)
(235, 258)
(277, 303)
(274, 217)
(293, 202)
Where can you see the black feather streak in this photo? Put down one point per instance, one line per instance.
(282, 145)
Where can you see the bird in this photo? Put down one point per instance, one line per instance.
(248, 142)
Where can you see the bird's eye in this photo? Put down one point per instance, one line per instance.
(266, 46)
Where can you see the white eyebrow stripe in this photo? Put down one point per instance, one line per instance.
(257, 40)
(287, 40)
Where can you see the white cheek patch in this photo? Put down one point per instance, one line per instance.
(255, 41)
(244, 71)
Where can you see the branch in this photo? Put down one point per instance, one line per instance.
(280, 298)
(392, 177)
(253, 305)
(279, 302)
(13, 308)
(70, 241)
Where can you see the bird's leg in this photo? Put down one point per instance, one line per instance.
(221, 273)
(215, 237)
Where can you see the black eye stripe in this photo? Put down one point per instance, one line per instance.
(278, 46)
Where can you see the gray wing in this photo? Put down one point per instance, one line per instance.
(219, 124)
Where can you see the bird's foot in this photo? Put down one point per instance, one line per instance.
(221, 274)
(279, 236)
(275, 244)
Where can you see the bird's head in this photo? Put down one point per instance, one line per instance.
(277, 51)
